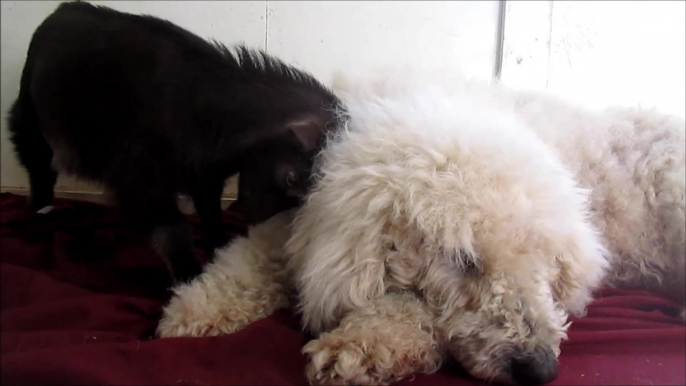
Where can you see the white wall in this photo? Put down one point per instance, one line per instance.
(325, 36)
(599, 53)
(596, 53)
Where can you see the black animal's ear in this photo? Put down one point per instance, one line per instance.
(308, 131)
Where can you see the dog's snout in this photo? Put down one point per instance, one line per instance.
(534, 368)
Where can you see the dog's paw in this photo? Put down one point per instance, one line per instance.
(212, 325)
(347, 363)
(345, 358)
(199, 309)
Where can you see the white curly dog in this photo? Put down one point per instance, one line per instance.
(454, 217)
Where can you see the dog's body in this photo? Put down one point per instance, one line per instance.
(152, 111)
(491, 214)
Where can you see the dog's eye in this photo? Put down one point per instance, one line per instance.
(464, 262)
(469, 267)
(290, 179)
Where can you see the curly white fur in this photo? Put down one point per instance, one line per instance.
(246, 282)
(492, 213)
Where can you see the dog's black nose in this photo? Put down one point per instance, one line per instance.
(534, 368)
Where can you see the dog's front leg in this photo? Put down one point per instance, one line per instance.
(244, 284)
(389, 340)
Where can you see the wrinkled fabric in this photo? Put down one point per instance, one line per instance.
(82, 293)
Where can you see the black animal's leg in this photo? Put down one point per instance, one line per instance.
(33, 151)
(174, 241)
(171, 234)
(207, 201)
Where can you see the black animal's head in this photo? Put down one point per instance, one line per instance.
(292, 110)
(276, 173)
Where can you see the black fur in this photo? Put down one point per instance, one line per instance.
(152, 111)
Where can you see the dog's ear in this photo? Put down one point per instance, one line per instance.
(329, 275)
(308, 131)
(581, 261)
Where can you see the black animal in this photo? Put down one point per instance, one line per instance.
(151, 111)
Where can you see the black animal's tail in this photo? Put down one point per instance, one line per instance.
(31, 147)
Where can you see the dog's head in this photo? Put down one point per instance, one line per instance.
(500, 255)
(463, 204)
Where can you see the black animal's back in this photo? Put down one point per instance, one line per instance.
(101, 97)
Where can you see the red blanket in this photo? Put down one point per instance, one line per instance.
(82, 293)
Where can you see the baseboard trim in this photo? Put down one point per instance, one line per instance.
(185, 204)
